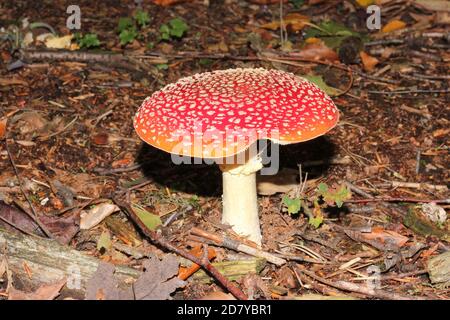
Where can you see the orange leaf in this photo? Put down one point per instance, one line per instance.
(2, 128)
(166, 3)
(295, 21)
(369, 62)
(386, 236)
(313, 40)
(186, 272)
(393, 25)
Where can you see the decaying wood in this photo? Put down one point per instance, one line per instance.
(47, 261)
(233, 270)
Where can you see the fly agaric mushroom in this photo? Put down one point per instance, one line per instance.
(220, 114)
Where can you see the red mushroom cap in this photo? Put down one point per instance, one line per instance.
(219, 114)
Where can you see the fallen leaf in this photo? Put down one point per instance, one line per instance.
(151, 221)
(16, 217)
(159, 279)
(294, 21)
(434, 5)
(393, 25)
(104, 286)
(94, 216)
(365, 3)
(166, 3)
(317, 51)
(368, 61)
(104, 241)
(63, 42)
(30, 122)
(62, 228)
(44, 292)
(312, 40)
(383, 236)
(318, 81)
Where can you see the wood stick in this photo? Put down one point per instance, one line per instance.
(237, 246)
(158, 239)
(50, 262)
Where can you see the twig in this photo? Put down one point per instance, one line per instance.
(398, 200)
(348, 286)
(33, 216)
(408, 91)
(158, 239)
(236, 245)
(105, 171)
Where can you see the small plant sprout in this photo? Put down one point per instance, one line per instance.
(89, 40)
(174, 29)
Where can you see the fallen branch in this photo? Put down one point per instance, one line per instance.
(204, 263)
(35, 260)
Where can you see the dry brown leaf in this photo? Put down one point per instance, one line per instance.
(383, 236)
(393, 25)
(317, 51)
(159, 279)
(104, 286)
(44, 292)
(435, 5)
(93, 217)
(368, 61)
(294, 21)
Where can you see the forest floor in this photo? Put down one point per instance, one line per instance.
(66, 127)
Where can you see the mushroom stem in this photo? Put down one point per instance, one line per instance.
(240, 204)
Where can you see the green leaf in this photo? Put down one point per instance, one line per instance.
(151, 221)
(205, 62)
(142, 18)
(127, 36)
(162, 66)
(318, 80)
(165, 32)
(124, 23)
(89, 40)
(177, 27)
(334, 196)
(332, 33)
(315, 221)
(293, 205)
(297, 3)
(104, 241)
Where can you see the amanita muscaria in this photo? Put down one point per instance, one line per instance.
(220, 114)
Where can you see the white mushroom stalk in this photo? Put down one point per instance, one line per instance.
(240, 202)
